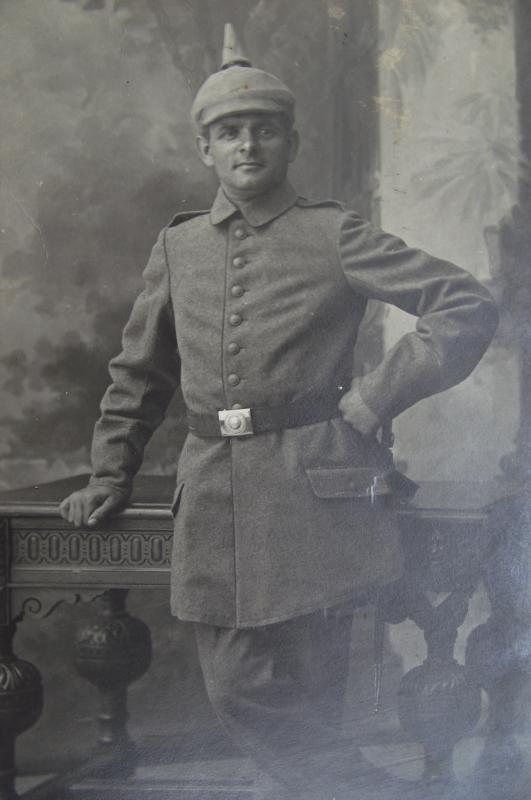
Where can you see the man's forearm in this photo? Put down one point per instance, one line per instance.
(144, 377)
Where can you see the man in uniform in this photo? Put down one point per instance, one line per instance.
(254, 307)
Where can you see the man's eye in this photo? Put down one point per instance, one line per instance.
(228, 133)
(266, 132)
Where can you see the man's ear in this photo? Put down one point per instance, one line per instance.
(202, 144)
(293, 142)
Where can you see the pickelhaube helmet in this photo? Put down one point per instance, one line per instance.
(240, 88)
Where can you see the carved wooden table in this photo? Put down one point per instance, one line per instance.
(448, 540)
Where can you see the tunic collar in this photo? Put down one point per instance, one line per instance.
(258, 211)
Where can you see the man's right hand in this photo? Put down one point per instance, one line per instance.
(91, 505)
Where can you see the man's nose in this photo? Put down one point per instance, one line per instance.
(248, 141)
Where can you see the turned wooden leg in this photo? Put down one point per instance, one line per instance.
(20, 706)
(439, 701)
(113, 650)
(20, 681)
(498, 651)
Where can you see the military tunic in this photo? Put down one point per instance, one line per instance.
(261, 307)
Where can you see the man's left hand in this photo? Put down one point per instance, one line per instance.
(357, 413)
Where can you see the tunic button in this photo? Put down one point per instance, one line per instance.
(236, 406)
(238, 262)
(234, 348)
(235, 319)
(237, 290)
(240, 233)
(233, 379)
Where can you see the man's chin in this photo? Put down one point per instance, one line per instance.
(250, 185)
(254, 185)
(253, 178)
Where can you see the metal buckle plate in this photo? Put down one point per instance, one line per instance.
(235, 422)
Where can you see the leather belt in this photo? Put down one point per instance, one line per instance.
(261, 419)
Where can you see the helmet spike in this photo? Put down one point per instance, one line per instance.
(233, 54)
(233, 90)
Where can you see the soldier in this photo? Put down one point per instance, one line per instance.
(254, 307)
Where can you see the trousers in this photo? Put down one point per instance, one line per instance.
(278, 690)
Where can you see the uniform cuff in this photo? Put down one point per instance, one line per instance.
(125, 492)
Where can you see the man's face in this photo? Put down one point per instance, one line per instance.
(250, 153)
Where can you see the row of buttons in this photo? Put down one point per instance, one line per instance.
(236, 319)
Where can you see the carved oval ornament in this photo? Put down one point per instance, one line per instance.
(92, 549)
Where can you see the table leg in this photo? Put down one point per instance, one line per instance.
(439, 701)
(20, 682)
(113, 650)
(498, 653)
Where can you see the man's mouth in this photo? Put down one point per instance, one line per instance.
(252, 164)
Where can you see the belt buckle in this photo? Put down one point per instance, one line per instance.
(235, 422)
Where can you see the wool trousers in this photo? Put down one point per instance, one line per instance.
(278, 691)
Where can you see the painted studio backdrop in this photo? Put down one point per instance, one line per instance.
(407, 112)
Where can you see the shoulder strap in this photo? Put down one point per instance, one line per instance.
(184, 216)
(306, 202)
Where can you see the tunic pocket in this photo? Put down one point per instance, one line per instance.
(337, 482)
(174, 508)
(360, 482)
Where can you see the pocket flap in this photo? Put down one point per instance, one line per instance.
(329, 482)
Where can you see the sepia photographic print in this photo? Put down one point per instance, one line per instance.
(265, 382)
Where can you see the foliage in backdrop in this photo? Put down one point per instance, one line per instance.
(98, 154)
